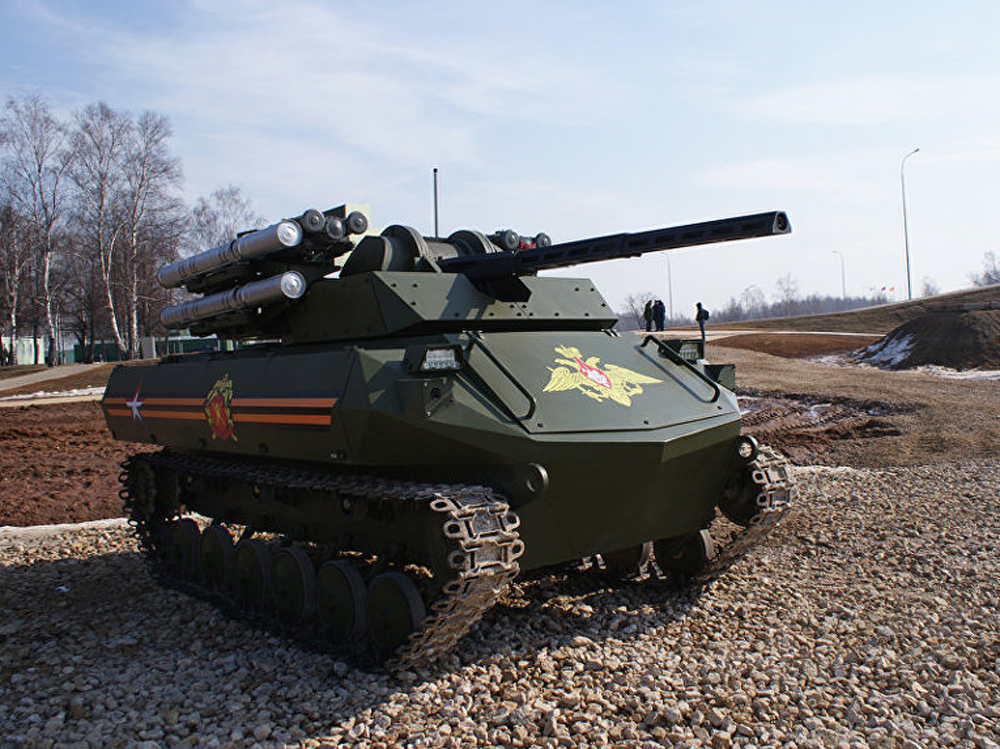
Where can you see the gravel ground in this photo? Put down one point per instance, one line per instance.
(869, 618)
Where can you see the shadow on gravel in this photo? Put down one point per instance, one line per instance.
(94, 644)
(550, 610)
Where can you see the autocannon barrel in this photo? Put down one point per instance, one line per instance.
(256, 244)
(528, 261)
(288, 285)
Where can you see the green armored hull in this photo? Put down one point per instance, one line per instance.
(390, 447)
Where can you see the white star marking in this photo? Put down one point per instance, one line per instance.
(135, 404)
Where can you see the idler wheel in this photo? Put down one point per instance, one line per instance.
(254, 564)
(685, 556)
(394, 609)
(184, 548)
(340, 600)
(218, 558)
(294, 583)
(627, 562)
(739, 497)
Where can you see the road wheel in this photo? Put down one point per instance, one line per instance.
(218, 558)
(184, 548)
(739, 496)
(294, 583)
(683, 557)
(626, 563)
(395, 609)
(254, 565)
(340, 600)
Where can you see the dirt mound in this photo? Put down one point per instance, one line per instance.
(797, 345)
(956, 339)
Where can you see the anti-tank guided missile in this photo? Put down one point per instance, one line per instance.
(288, 285)
(256, 244)
(312, 230)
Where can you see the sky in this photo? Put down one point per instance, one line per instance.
(575, 118)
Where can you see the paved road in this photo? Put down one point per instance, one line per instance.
(50, 373)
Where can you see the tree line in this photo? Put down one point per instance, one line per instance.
(991, 270)
(752, 304)
(90, 207)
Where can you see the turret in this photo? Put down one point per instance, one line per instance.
(277, 282)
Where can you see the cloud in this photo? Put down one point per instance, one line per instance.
(974, 151)
(871, 101)
(307, 71)
(841, 175)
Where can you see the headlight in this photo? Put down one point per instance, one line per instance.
(446, 358)
(747, 448)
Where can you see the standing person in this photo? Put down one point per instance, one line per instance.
(647, 314)
(659, 314)
(701, 316)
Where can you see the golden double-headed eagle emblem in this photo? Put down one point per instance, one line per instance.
(608, 382)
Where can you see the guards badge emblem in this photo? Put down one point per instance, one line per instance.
(608, 383)
(217, 410)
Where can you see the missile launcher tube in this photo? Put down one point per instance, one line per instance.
(257, 244)
(289, 285)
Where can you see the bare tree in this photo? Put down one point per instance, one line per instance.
(787, 288)
(929, 287)
(15, 259)
(219, 218)
(152, 177)
(100, 139)
(87, 308)
(753, 301)
(991, 270)
(37, 158)
(631, 317)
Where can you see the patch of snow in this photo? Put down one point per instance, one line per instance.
(19, 533)
(816, 411)
(888, 352)
(748, 404)
(958, 374)
(837, 360)
(55, 394)
(840, 360)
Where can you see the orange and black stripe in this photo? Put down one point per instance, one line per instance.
(293, 411)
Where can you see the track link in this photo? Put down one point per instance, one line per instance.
(770, 472)
(478, 527)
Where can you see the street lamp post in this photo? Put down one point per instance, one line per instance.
(843, 276)
(670, 288)
(906, 233)
(436, 233)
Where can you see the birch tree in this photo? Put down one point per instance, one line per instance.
(15, 259)
(221, 216)
(101, 139)
(37, 157)
(152, 177)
